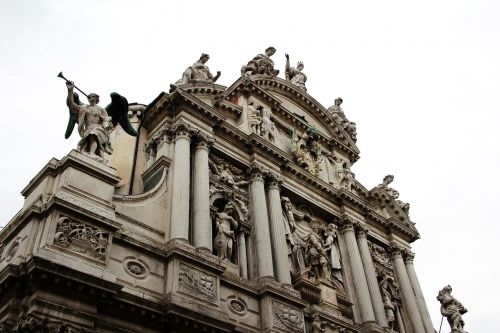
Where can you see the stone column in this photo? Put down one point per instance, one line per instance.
(278, 237)
(371, 277)
(202, 225)
(399, 319)
(418, 292)
(179, 213)
(262, 238)
(242, 254)
(360, 285)
(406, 291)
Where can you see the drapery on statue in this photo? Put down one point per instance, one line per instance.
(452, 310)
(338, 114)
(225, 226)
(94, 122)
(331, 248)
(261, 64)
(295, 75)
(306, 150)
(198, 72)
(387, 299)
(316, 255)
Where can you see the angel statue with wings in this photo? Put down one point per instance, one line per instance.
(94, 122)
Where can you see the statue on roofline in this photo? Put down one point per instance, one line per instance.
(94, 122)
(339, 116)
(198, 72)
(295, 75)
(261, 64)
(452, 310)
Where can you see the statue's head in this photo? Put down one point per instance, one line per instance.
(300, 65)
(338, 101)
(270, 51)
(204, 58)
(93, 98)
(229, 207)
(388, 179)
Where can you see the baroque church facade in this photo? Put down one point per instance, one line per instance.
(233, 209)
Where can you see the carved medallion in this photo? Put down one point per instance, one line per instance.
(12, 250)
(237, 305)
(136, 268)
(196, 283)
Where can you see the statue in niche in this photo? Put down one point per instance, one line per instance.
(316, 254)
(94, 122)
(198, 72)
(388, 289)
(254, 117)
(317, 325)
(307, 150)
(338, 114)
(225, 226)
(261, 64)
(393, 193)
(295, 250)
(332, 249)
(452, 309)
(295, 75)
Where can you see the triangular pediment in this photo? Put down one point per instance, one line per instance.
(295, 104)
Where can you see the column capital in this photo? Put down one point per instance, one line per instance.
(396, 250)
(362, 230)
(274, 181)
(408, 257)
(181, 129)
(202, 140)
(346, 223)
(256, 172)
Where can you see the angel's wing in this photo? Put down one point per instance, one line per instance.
(73, 117)
(118, 111)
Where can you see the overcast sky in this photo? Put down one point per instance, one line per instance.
(419, 78)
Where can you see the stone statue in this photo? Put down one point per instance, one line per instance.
(387, 300)
(394, 194)
(316, 324)
(333, 251)
(339, 116)
(452, 310)
(267, 128)
(261, 64)
(94, 122)
(316, 255)
(198, 72)
(295, 76)
(254, 117)
(295, 250)
(307, 150)
(225, 226)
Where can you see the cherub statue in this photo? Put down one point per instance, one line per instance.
(295, 75)
(198, 72)
(94, 122)
(452, 310)
(261, 64)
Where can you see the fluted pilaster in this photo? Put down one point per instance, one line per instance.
(406, 291)
(278, 237)
(242, 255)
(179, 216)
(371, 277)
(202, 226)
(360, 284)
(410, 269)
(261, 224)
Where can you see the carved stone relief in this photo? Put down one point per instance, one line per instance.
(261, 123)
(136, 268)
(237, 305)
(196, 283)
(82, 238)
(287, 318)
(307, 150)
(344, 177)
(11, 252)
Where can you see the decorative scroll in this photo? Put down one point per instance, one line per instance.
(196, 283)
(82, 238)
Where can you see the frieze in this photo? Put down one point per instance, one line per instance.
(82, 238)
(196, 283)
(79, 202)
(287, 318)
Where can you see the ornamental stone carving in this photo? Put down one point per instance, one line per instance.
(452, 309)
(11, 252)
(339, 116)
(261, 64)
(343, 175)
(317, 325)
(227, 174)
(287, 318)
(82, 238)
(388, 291)
(198, 72)
(331, 247)
(316, 256)
(136, 268)
(31, 324)
(261, 123)
(196, 283)
(295, 75)
(393, 193)
(307, 150)
(237, 305)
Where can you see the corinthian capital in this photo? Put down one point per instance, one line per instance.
(202, 140)
(256, 172)
(273, 180)
(181, 130)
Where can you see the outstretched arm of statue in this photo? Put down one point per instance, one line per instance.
(70, 101)
(287, 67)
(216, 77)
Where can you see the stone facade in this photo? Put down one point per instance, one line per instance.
(235, 211)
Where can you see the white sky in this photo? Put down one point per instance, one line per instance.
(419, 79)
